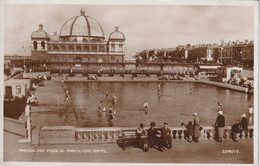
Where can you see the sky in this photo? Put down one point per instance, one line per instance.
(144, 26)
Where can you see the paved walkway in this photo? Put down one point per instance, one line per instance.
(52, 110)
(182, 152)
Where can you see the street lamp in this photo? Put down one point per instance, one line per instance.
(23, 58)
(221, 49)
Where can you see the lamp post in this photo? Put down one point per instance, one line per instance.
(221, 49)
(23, 58)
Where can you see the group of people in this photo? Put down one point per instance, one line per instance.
(193, 129)
(158, 138)
(111, 111)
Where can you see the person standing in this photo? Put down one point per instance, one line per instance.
(111, 111)
(196, 127)
(220, 124)
(219, 107)
(100, 106)
(146, 106)
(166, 136)
(250, 120)
(153, 136)
(67, 96)
(244, 123)
(110, 116)
(62, 82)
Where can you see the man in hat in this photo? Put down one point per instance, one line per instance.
(153, 136)
(196, 127)
(244, 123)
(220, 124)
(166, 136)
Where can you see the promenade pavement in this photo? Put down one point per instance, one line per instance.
(52, 110)
(206, 151)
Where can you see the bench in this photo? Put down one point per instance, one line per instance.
(127, 137)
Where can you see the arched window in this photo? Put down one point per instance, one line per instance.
(55, 47)
(120, 47)
(113, 46)
(71, 48)
(78, 48)
(102, 49)
(94, 48)
(86, 48)
(78, 60)
(85, 40)
(43, 44)
(63, 48)
(35, 45)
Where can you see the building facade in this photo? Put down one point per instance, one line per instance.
(81, 40)
(234, 53)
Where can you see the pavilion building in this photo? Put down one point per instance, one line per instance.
(81, 40)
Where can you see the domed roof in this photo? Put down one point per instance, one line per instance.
(82, 26)
(40, 33)
(116, 34)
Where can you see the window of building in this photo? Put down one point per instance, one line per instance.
(101, 48)
(78, 48)
(63, 48)
(85, 40)
(43, 44)
(113, 59)
(71, 47)
(55, 47)
(113, 47)
(18, 89)
(120, 47)
(94, 48)
(35, 45)
(86, 48)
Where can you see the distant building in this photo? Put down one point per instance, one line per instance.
(16, 87)
(81, 40)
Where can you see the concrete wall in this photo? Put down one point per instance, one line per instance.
(14, 126)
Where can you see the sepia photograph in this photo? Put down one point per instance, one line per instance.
(133, 83)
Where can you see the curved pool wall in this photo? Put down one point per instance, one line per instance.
(176, 103)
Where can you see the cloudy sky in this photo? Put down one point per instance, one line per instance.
(145, 27)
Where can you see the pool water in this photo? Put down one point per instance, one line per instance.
(176, 103)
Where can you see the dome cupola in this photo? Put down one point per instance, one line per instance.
(40, 33)
(116, 35)
(82, 26)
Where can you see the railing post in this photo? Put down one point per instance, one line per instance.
(201, 134)
(211, 135)
(115, 136)
(102, 136)
(243, 134)
(205, 135)
(182, 135)
(227, 134)
(90, 136)
(96, 136)
(176, 135)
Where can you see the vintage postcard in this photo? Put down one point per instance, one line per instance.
(131, 82)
